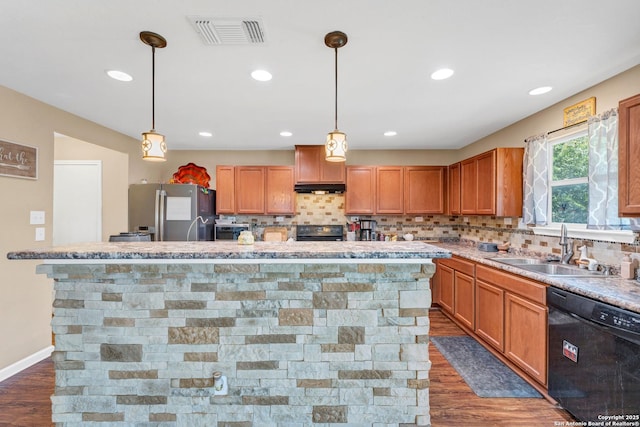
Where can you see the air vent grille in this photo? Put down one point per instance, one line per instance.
(221, 31)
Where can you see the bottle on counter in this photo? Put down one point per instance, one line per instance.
(627, 267)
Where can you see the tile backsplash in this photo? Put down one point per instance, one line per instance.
(329, 209)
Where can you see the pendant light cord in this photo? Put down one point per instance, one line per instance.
(336, 90)
(153, 88)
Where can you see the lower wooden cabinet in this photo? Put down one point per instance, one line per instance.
(505, 310)
(526, 336)
(490, 314)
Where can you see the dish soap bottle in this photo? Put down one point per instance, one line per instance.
(627, 267)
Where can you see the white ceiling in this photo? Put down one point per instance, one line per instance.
(57, 51)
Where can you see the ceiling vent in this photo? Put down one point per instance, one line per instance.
(221, 31)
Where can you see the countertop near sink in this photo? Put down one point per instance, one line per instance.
(610, 289)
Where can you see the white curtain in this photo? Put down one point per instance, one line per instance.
(536, 180)
(603, 174)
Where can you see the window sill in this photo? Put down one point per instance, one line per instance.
(618, 236)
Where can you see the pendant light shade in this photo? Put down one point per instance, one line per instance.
(336, 145)
(153, 146)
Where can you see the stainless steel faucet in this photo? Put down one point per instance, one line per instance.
(566, 246)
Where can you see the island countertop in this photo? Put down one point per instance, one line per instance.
(216, 252)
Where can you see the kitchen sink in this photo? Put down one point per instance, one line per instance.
(560, 270)
(518, 261)
(540, 266)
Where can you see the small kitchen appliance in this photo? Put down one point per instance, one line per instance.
(367, 229)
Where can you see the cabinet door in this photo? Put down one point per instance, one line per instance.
(446, 288)
(389, 185)
(629, 157)
(464, 298)
(311, 167)
(490, 314)
(486, 183)
(424, 189)
(360, 197)
(225, 190)
(468, 188)
(280, 197)
(250, 189)
(435, 285)
(454, 189)
(525, 336)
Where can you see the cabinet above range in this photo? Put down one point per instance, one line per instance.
(313, 172)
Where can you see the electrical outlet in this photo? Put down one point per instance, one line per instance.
(507, 221)
(36, 217)
(279, 218)
(419, 219)
(355, 218)
(39, 234)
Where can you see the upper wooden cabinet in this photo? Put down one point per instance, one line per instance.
(491, 183)
(255, 190)
(360, 197)
(389, 190)
(454, 189)
(395, 190)
(250, 190)
(225, 190)
(279, 195)
(629, 157)
(311, 167)
(424, 189)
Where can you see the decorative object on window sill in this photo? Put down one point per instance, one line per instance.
(153, 146)
(336, 145)
(192, 174)
(579, 112)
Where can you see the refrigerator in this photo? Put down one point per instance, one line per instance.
(175, 212)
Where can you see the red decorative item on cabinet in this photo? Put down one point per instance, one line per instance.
(192, 174)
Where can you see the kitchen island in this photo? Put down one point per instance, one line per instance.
(302, 333)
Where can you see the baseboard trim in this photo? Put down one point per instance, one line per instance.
(23, 364)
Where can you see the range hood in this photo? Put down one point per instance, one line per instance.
(319, 188)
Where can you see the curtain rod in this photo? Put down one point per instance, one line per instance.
(567, 127)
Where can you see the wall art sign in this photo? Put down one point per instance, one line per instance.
(17, 160)
(579, 112)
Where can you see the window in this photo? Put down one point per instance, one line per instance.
(568, 180)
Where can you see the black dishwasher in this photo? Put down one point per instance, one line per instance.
(594, 358)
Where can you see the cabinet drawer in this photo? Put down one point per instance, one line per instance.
(534, 291)
(458, 264)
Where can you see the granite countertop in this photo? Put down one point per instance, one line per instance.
(613, 290)
(401, 251)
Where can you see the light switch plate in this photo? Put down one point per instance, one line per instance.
(507, 221)
(40, 236)
(36, 217)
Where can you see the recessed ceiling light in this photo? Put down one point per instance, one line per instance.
(261, 75)
(540, 90)
(285, 133)
(119, 75)
(390, 133)
(205, 134)
(442, 74)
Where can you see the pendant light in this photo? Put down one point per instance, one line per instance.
(153, 146)
(336, 145)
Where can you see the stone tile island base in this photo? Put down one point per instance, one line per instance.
(300, 344)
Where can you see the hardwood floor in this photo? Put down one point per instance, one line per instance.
(24, 398)
(454, 404)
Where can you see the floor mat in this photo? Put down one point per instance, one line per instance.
(482, 371)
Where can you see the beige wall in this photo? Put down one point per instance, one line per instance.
(25, 298)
